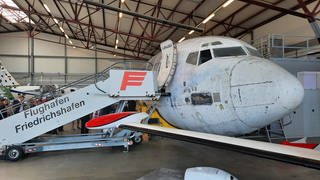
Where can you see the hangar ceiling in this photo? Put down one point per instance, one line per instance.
(135, 28)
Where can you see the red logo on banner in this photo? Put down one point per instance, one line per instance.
(132, 78)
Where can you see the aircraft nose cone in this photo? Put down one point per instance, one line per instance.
(263, 92)
(291, 92)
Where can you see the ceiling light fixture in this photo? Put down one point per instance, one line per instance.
(227, 3)
(208, 18)
(183, 38)
(61, 29)
(55, 20)
(66, 36)
(116, 47)
(120, 14)
(47, 8)
(192, 31)
(70, 41)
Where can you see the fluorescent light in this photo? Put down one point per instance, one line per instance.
(227, 3)
(208, 18)
(66, 36)
(70, 41)
(61, 29)
(55, 20)
(73, 47)
(122, 1)
(117, 41)
(116, 47)
(183, 38)
(114, 55)
(120, 14)
(47, 8)
(192, 31)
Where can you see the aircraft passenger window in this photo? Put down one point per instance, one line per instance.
(229, 51)
(201, 98)
(205, 56)
(253, 52)
(192, 58)
(216, 43)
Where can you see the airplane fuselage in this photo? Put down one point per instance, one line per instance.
(221, 86)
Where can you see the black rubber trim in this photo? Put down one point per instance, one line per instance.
(310, 163)
(165, 120)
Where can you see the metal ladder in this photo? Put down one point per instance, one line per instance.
(274, 131)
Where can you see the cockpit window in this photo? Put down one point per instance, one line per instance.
(201, 99)
(205, 45)
(253, 52)
(192, 58)
(205, 56)
(229, 51)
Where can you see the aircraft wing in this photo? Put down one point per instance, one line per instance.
(300, 156)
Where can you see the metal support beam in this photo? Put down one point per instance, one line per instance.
(31, 65)
(59, 57)
(312, 19)
(29, 54)
(276, 8)
(316, 29)
(29, 35)
(104, 6)
(95, 60)
(65, 61)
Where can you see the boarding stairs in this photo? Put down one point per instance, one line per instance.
(127, 80)
(112, 85)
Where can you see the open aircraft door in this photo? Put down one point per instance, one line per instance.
(167, 64)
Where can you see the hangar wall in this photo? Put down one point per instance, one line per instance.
(49, 57)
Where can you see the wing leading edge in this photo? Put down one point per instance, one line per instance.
(293, 155)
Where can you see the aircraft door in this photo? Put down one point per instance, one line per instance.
(167, 64)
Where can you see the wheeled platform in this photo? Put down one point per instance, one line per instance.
(123, 138)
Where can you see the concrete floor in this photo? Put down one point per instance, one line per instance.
(113, 164)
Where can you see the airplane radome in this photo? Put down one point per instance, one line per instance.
(222, 86)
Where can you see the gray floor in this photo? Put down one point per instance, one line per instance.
(108, 163)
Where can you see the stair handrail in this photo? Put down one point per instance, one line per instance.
(104, 73)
